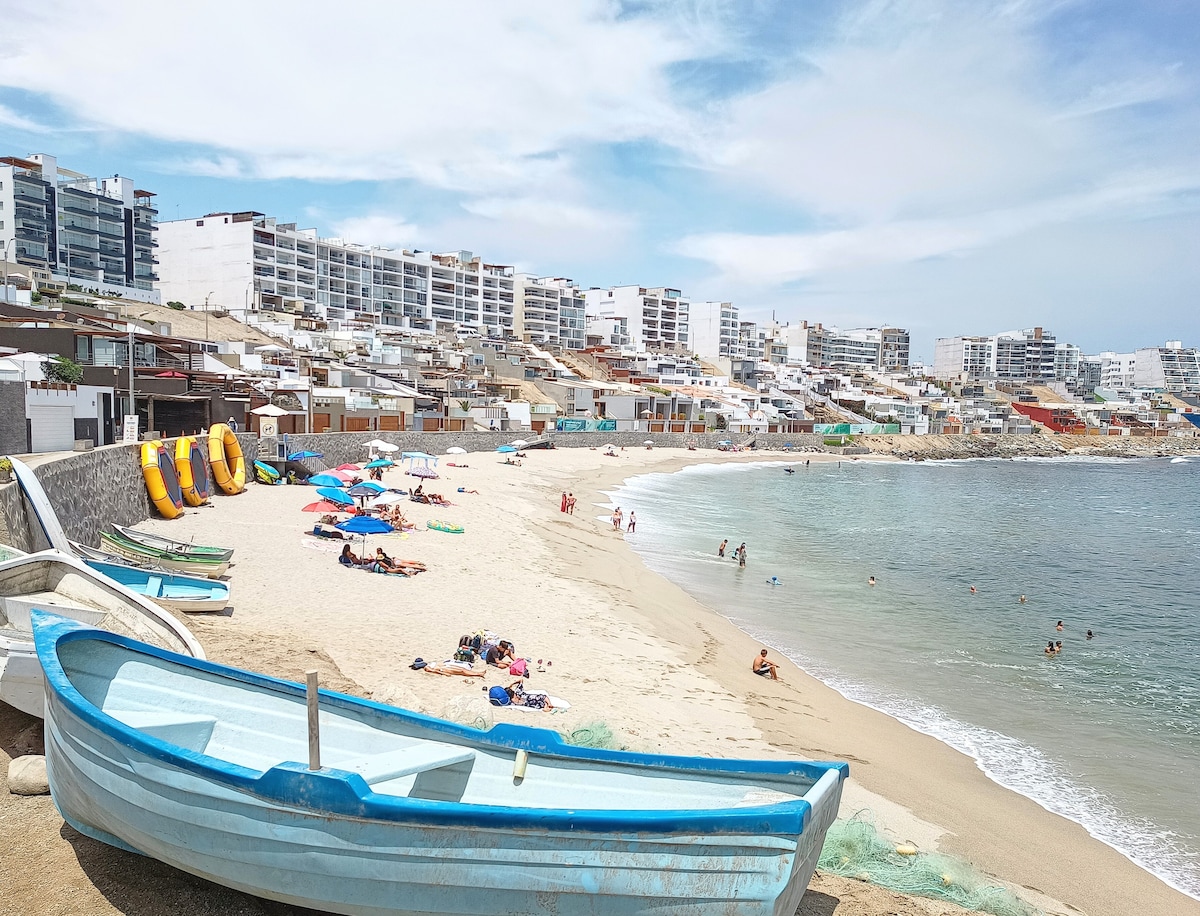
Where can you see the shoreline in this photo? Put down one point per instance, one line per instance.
(629, 649)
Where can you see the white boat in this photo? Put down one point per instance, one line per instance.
(39, 501)
(57, 582)
(141, 554)
(170, 545)
(201, 766)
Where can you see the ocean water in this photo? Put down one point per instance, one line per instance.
(1107, 733)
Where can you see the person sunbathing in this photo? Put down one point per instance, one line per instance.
(348, 557)
(518, 697)
(448, 667)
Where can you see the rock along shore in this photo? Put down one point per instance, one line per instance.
(932, 448)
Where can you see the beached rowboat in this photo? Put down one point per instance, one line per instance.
(170, 545)
(61, 583)
(187, 594)
(115, 544)
(197, 765)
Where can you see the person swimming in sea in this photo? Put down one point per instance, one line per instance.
(1059, 626)
(871, 580)
(1089, 634)
(1049, 650)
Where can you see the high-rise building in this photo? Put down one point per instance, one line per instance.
(714, 330)
(1171, 367)
(870, 348)
(249, 262)
(1028, 355)
(97, 234)
(657, 318)
(549, 310)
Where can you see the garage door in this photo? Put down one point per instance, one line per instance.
(52, 428)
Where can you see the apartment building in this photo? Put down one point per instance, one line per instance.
(1028, 355)
(1171, 367)
(549, 310)
(872, 348)
(68, 228)
(657, 318)
(252, 264)
(715, 330)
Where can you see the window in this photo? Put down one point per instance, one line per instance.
(199, 222)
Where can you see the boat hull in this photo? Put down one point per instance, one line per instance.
(170, 545)
(316, 839)
(88, 597)
(139, 554)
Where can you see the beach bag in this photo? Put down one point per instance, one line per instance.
(463, 654)
(498, 696)
(517, 667)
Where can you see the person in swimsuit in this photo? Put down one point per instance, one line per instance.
(721, 549)
(764, 666)
(518, 696)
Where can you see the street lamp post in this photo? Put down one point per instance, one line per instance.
(4, 261)
(206, 316)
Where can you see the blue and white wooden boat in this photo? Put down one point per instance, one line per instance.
(199, 765)
(188, 594)
(55, 581)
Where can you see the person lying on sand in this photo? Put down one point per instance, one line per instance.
(518, 696)
(449, 667)
(407, 567)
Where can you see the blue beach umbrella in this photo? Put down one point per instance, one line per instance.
(380, 463)
(364, 525)
(326, 480)
(301, 456)
(506, 449)
(364, 491)
(335, 496)
(375, 488)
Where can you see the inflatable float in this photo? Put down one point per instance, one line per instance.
(226, 459)
(162, 484)
(444, 526)
(264, 473)
(191, 470)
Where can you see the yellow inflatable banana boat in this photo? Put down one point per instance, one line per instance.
(192, 471)
(162, 484)
(226, 459)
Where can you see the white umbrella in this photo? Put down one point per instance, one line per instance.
(519, 443)
(386, 499)
(270, 348)
(456, 450)
(648, 442)
(380, 445)
(269, 410)
(609, 445)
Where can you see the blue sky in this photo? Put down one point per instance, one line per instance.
(953, 168)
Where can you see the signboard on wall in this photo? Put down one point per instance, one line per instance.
(268, 426)
(130, 431)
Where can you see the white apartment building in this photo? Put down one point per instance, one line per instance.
(657, 318)
(1116, 369)
(67, 228)
(1171, 367)
(1028, 355)
(715, 330)
(251, 263)
(549, 310)
(871, 348)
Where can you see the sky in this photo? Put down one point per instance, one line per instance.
(947, 167)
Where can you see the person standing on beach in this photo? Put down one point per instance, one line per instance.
(562, 507)
(570, 504)
(742, 557)
(721, 549)
(632, 522)
(616, 519)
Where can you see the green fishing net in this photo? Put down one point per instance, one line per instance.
(855, 849)
(594, 734)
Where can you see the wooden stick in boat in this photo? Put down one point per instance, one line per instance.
(314, 722)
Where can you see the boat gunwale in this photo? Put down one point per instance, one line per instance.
(169, 577)
(341, 793)
(159, 553)
(174, 545)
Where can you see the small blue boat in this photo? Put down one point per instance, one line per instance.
(189, 594)
(199, 766)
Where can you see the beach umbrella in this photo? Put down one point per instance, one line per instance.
(648, 442)
(344, 476)
(370, 485)
(380, 463)
(269, 410)
(456, 450)
(519, 443)
(428, 473)
(609, 445)
(335, 496)
(301, 456)
(506, 449)
(321, 505)
(326, 480)
(347, 467)
(380, 445)
(364, 525)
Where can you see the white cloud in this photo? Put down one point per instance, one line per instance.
(10, 118)
(472, 95)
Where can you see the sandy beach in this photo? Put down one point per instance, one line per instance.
(622, 645)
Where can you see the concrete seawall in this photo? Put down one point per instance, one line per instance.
(91, 490)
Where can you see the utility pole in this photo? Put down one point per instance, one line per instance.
(206, 316)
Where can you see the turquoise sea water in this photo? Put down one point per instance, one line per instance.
(1107, 733)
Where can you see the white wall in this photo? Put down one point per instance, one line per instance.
(196, 260)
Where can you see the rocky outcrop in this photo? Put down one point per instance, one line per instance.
(932, 448)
